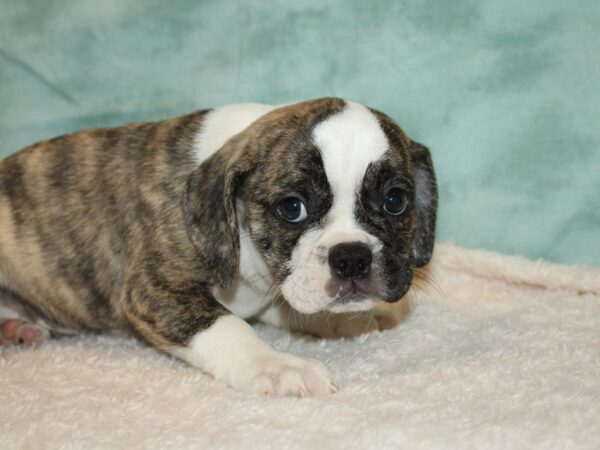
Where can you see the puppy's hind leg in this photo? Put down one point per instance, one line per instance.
(196, 328)
(17, 326)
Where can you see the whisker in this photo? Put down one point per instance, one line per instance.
(257, 279)
(371, 316)
(428, 280)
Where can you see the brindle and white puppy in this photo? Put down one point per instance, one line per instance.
(181, 229)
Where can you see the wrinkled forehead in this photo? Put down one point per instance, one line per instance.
(326, 143)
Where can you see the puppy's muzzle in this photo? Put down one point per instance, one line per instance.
(350, 261)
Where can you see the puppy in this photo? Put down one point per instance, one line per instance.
(179, 230)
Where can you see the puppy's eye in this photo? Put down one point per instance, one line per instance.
(395, 202)
(292, 209)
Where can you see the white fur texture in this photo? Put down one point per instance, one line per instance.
(349, 142)
(223, 123)
(503, 354)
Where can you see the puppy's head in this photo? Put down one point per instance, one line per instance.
(339, 201)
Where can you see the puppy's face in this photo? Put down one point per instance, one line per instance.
(332, 200)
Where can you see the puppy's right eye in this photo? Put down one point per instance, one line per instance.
(292, 210)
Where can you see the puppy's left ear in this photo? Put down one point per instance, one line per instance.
(425, 203)
(209, 208)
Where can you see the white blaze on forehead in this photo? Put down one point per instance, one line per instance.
(349, 141)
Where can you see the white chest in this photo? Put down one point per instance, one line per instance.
(253, 290)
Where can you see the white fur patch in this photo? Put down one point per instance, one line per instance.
(252, 290)
(349, 142)
(231, 352)
(223, 123)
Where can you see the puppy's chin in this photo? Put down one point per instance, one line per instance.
(311, 298)
(353, 305)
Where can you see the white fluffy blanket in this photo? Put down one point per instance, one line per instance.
(497, 352)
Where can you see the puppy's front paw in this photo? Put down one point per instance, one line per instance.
(231, 352)
(279, 374)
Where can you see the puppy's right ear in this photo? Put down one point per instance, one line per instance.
(209, 208)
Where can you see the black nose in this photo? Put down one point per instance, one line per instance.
(350, 260)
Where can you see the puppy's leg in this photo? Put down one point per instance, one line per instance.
(197, 329)
(231, 351)
(17, 331)
(16, 325)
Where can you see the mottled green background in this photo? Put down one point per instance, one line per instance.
(506, 93)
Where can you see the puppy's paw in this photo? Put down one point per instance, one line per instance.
(279, 374)
(231, 352)
(17, 331)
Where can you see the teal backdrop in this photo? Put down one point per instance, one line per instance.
(505, 93)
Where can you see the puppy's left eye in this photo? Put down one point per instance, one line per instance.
(395, 202)
(292, 209)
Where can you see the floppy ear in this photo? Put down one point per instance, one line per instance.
(209, 200)
(425, 204)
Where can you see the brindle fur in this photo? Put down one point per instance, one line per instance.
(93, 235)
(118, 229)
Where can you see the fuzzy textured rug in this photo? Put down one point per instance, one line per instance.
(495, 352)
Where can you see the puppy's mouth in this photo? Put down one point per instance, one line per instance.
(361, 294)
(350, 291)
(351, 296)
